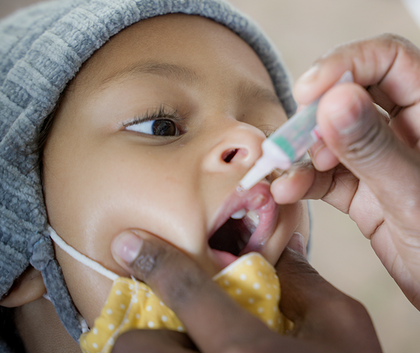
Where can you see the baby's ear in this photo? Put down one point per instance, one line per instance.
(27, 288)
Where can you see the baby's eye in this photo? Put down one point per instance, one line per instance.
(158, 127)
(163, 121)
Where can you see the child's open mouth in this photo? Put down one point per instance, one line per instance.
(233, 235)
(245, 222)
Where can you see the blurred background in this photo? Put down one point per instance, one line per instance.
(304, 30)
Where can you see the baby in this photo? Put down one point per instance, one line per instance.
(146, 116)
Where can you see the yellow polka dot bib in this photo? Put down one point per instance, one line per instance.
(131, 304)
(250, 280)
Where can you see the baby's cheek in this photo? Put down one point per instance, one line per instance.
(89, 290)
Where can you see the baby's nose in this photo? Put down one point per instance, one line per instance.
(235, 148)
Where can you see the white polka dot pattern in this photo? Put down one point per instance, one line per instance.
(130, 304)
(250, 280)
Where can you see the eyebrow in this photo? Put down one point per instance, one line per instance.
(250, 89)
(177, 72)
(184, 74)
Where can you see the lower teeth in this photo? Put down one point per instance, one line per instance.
(254, 217)
(251, 215)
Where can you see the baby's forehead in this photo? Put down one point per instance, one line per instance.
(142, 38)
(152, 46)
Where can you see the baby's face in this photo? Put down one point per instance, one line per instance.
(154, 134)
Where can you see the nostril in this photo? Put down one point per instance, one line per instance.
(228, 155)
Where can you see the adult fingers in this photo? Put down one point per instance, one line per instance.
(324, 159)
(388, 63)
(388, 67)
(336, 186)
(215, 321)
(321, 312)
(369, 151)
(157, 341)
(358, 135)
(294, 183)
(217, 324)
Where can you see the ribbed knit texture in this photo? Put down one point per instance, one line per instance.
(41, 50)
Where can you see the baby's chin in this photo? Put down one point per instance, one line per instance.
(223, 259)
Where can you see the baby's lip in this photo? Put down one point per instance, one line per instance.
(258, 199)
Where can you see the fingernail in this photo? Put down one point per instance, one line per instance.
(315, 148)
(285, 175)
(127, 246)
(309, 75)
(297, 243)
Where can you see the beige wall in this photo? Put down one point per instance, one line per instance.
(304, 30)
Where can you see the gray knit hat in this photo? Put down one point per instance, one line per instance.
(41, 50)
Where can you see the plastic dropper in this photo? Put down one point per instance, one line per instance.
(288, 143)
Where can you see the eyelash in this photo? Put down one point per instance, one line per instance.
(159, 114)
(162, 113)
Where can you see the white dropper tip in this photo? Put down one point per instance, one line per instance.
(261, 168)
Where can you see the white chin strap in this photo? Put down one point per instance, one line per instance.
(84, 260)
(80, 257)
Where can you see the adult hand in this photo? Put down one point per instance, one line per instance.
(378, 180)
(326, 320)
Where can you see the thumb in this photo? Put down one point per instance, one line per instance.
(320, 312)
(359, 136)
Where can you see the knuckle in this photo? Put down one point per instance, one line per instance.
(341, 176)
(390, 39)
(350, 309)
